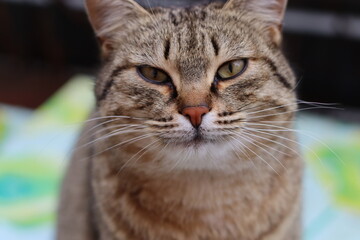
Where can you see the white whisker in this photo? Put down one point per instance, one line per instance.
(141, 152)
(100, 124)
(243, 151)
(255, 143)
(272, 148)
(120, 127)
(272, 108)
(107, 117)
(287, 139)
(262, 159)
(250, 133)
(111, 134)
(280, 113)
(302, 132)
(129, 141)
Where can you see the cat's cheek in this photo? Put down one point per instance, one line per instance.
(221, 86)
(224, 86)
(167, 91)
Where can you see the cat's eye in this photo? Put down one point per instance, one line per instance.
(153, 75)
(231, 69)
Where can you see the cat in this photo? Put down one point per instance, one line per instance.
(191, 137)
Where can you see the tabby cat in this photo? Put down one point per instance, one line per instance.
(191, 135)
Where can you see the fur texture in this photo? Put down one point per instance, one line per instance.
(143, 172)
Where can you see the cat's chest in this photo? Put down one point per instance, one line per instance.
(163, 210)
(138, 219)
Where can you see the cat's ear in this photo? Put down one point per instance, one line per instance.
(270, 11)
(109, 17)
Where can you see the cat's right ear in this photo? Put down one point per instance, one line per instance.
(110, 17)
(270, 11)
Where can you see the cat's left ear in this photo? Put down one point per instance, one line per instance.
(111, 17)
(270, 11)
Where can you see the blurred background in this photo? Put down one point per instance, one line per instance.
(48, 57)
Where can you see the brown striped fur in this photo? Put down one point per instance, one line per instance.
(156, 179)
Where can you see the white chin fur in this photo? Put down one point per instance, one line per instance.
(203, 155)
(197, 157)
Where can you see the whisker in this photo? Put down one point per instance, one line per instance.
(317, 103)
(249, 132)
(272, 108)
(119, 127)
(276, 114)
(290, 140)
(100, 124)
(278, 128)
(307, 134)
(297, 102)
(273, 130)
(262, 159)
(124, 126)
(242, 108)
(296, 85)
(256, 145)
(142, 151)
(290, 121)
(272, 148)
(243, 151)
(107, 117)
(185, 158)
(186, 155)
(302, 132)
(129, 141)
(113, 133)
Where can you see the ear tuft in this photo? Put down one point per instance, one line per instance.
(270, 11)
(110, 17)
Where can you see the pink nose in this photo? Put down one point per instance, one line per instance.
(195, 114)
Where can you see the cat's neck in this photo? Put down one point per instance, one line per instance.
(194, 189)
(188, 186)
(189, 198)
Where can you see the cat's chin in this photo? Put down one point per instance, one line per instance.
(195, 142)
(199, 153)
(199, 139)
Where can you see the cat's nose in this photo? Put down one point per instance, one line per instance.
(195, 114)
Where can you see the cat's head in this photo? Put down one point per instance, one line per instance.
(195, 80)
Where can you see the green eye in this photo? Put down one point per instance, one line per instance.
(153, 75)
(231, 69)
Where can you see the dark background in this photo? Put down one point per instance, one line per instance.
(43, 45)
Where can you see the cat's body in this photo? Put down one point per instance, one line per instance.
(193, 158)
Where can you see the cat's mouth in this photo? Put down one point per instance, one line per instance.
(196, 143)
(199, 139)
(196, 138)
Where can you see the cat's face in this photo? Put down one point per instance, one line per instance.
(195, 81)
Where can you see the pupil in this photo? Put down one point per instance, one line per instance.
(154, 73)
(230, 67)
